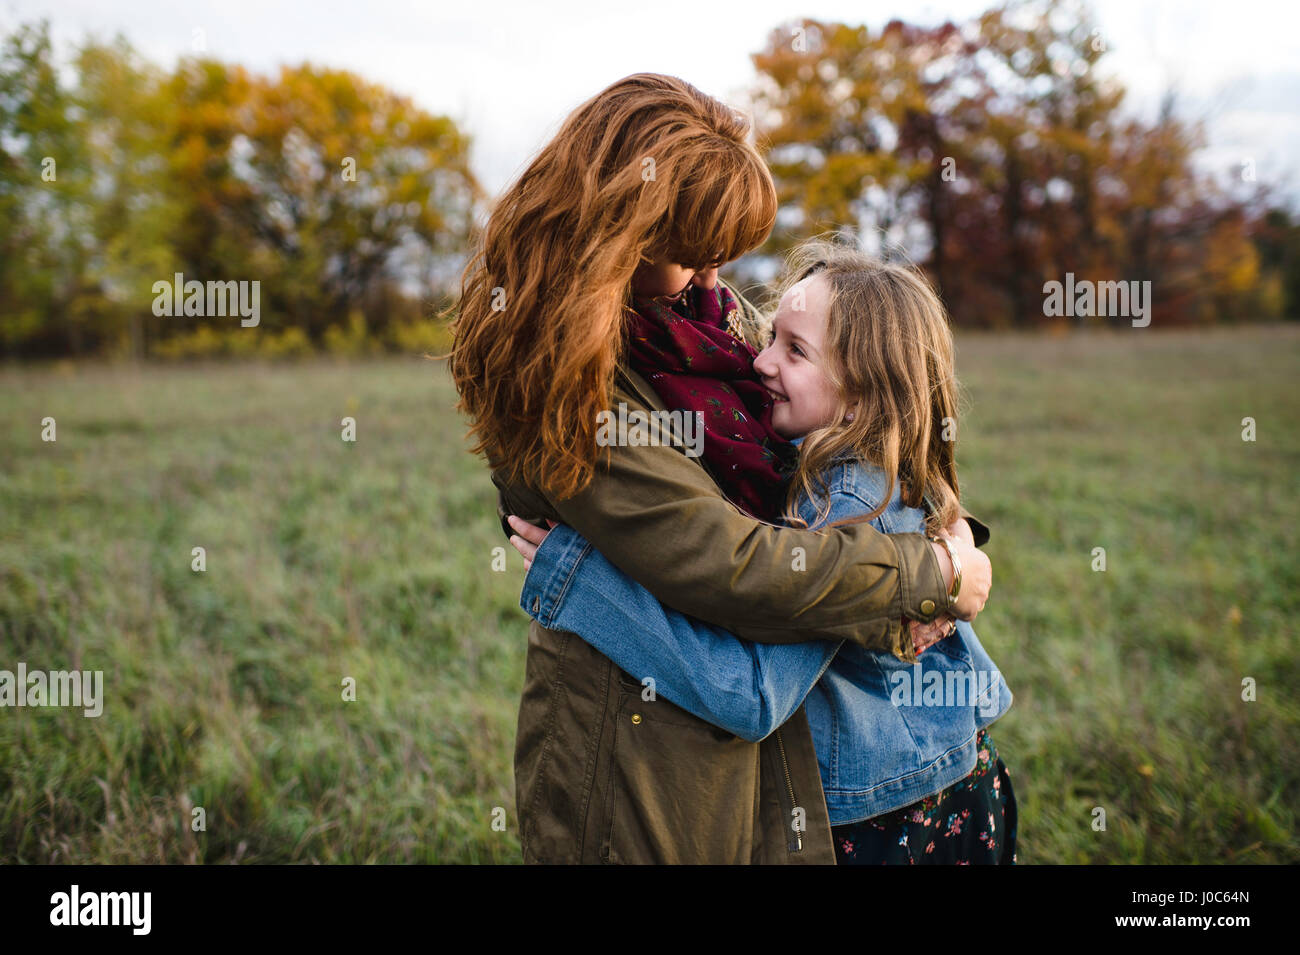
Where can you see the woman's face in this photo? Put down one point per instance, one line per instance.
(655, 279)
(792, 367)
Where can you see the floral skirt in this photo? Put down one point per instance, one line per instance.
(972, 821)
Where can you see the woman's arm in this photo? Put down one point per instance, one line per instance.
(656, 515)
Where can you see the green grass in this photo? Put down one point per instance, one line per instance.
(373, 561)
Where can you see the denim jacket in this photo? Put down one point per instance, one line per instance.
(886, 732)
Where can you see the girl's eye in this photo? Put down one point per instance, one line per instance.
(796, 350)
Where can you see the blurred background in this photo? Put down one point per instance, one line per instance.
(1140, 482)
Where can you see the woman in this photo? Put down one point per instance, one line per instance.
(643, 192)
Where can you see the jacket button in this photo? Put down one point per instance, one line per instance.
(927, 607)
(636, 718)
(537, 604)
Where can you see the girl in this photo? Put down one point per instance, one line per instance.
(573, 305)
(861, 372)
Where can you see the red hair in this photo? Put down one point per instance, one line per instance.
(650, 169)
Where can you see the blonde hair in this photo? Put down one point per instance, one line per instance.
(650, 169)
(888, 350)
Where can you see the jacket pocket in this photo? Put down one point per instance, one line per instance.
(680, 791)
(552, 744)
(630, 683)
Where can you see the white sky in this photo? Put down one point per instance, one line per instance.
(508, 72)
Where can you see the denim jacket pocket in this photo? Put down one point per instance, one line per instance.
(951, 646)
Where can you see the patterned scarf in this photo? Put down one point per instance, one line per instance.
(694, 363)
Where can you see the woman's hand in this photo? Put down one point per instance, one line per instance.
(527, 537)
(961, 528)
(926, 635)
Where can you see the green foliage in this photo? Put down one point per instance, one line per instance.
(1277, 236)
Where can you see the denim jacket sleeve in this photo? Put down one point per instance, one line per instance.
(748, 689)
(745, 688)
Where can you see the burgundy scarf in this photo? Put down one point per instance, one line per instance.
(694, 364)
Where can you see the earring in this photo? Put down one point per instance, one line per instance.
(849, 416)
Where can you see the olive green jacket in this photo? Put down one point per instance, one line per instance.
(603, 775)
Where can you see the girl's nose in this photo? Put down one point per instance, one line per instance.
(761, 366)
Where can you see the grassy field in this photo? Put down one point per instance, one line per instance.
(371, 560)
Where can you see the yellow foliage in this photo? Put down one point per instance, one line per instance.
(352, 341)
(203, 342)
(423, 337)
(207, 342)
(1272, 296)
(291, 343)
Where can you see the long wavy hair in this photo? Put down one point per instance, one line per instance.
(888, 351)
(648, 170)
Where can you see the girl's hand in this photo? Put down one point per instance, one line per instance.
(527, 537)
(926, 635)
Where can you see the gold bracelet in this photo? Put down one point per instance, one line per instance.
(956, 567)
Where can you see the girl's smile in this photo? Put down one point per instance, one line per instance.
(792, 368)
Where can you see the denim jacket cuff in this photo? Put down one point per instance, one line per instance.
(554, 564)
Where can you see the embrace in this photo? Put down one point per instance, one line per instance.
(750, 648)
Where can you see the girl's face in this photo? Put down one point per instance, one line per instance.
(792, 367)
(652, 280)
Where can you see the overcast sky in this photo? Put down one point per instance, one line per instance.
(509, 72)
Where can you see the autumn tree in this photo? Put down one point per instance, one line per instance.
(995, 153)
(324, 186)
(340, 197)
(46, 245)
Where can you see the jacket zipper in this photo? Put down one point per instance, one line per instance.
(796, 844)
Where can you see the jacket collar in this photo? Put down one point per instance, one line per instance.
(639, 387)
(845, 456)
